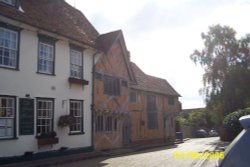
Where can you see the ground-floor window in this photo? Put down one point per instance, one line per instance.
(99, 124)
(76, 110)
(7, 116)
(108, 123)
(105, 123)
(45, 113)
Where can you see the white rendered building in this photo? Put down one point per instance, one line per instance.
(46, 59)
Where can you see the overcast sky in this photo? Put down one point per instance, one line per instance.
(161, 34)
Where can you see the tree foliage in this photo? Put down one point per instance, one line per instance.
(226, 62)
(231, 121)
(197, 118)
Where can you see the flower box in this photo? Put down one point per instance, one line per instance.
(48, 138)
(78, 81)
(47, 141)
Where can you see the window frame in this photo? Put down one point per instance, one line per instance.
(14, 118)
(107, 123)
(17, 30)
(52, 114)
(81, 51)
(50, 41)
(81, 131)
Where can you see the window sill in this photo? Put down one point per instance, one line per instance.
(12, 138)
(45, 73)
(78, 81)
(106, 132)
(76, 133)
(9, 5)
(10, 68)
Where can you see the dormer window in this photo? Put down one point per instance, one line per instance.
(10, 2)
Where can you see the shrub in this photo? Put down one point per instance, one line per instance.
(231, 121)
(66, 120)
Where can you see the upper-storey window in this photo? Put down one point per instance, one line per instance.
(151, 103)
(76, 64)
(46, 55)
(111, 86)
(171, 100)
(133, 97)
(8, 48)
(9, 2)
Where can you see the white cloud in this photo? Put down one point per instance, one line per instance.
(161, 34)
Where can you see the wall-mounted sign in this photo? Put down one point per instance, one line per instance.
(26, 116)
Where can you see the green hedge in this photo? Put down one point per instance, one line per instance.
(231, 121)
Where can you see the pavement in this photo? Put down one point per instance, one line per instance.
(163, 156)
(82, 156)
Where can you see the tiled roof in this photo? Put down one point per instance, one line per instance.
(105, 41)
(55, 16)
(152, 84)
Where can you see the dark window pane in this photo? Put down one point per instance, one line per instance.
(151, 103)
(111, 86)
(152, 120)
(132, 96)
(170, 100)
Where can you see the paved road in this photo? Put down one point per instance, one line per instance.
(157, 157)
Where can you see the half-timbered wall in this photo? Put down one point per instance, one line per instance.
(107, 104)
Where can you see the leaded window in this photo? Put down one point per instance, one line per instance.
(111, 86)
(99, 124)
(106, 123)
(133, 97)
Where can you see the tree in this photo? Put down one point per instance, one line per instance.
(197, 118)
(226, 62)
(231, 121)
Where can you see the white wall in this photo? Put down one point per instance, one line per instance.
(28, 81)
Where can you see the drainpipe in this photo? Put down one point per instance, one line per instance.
(92, 101)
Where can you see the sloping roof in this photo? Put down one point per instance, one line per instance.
(55, 16)
(105, 41)
(150, 83)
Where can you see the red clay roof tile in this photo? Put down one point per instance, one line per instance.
(152, 84)
(55, 16)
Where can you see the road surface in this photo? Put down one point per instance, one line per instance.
(157, 157)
